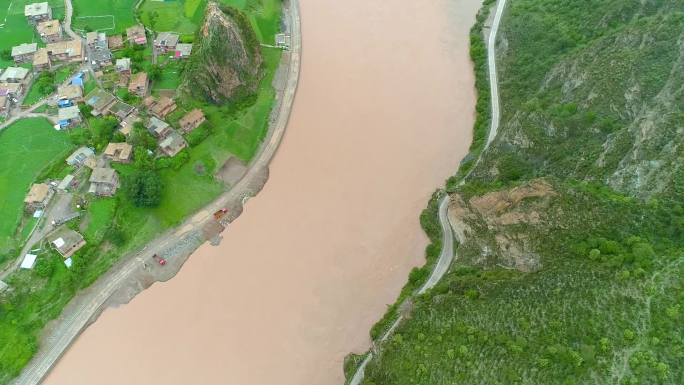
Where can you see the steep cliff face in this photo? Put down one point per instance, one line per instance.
(226, 64)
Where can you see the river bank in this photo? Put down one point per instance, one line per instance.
(381, 117)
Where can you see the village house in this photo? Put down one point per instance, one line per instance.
(115, 42)
(37, 12)
(70, 92)
(119, 152)
(166, 41)
(123, 66)
(160, 107)
(14, 75)
(91, 39)
(41, 60)
(98, 53)
(78, 157)
(136, 35)
(50, 31)
(192, 120)
(121, 110)
(38, 197)
(138, 84)
(126, 125)
(68, 181)
(66, 241)
(173, 144)
(11, 90)
(103, 181)
(100, 100)
(68, 116)
(282, 41)
(70, 51)
(183, 51)
(23, 53)
(158, 128)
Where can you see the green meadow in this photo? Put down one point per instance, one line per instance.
(28, 146)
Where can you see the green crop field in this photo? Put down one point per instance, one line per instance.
(28, 146)
(111, 16)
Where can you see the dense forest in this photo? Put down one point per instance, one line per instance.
(570, 266)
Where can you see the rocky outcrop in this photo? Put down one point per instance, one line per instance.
(226, 64)
(492, 228)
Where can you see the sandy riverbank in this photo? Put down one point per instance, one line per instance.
(383, 115)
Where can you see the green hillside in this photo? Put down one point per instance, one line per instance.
(571, 269)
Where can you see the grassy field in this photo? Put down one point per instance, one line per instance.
(111, 16)
(28, 146)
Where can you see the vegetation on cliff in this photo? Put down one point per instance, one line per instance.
(226, 65)
(571, 267)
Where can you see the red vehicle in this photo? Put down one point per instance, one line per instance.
(219, 214)
(159, 259)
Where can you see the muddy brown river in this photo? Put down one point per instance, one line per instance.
(383, 116)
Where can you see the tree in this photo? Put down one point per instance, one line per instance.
(154, 72)
(140, 137)
(144, 188)
(103, 130)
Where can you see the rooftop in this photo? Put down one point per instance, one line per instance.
(169, 39)
(36, 9)
(103, 175)
(183, 50)
(119, 151)
(191, 116)
(66, 241)
(47, 28)
(12, 73)
(69, 92)
(72, 48)
(37, 193)
(99, 99)
(156, 125)
(80, 155)
(24, 49)
(41, 57)
(138, 81)
(69, 113)
(123, 64)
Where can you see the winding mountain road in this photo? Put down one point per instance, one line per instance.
(447, 254)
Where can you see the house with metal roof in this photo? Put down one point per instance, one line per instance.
(23, 53)
(14, 75)
(37, 12)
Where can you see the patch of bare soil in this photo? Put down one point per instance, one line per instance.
(231, 171)
(500, 213)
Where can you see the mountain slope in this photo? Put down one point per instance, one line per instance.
(571, 266)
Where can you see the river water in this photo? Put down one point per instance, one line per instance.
(382, 117)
